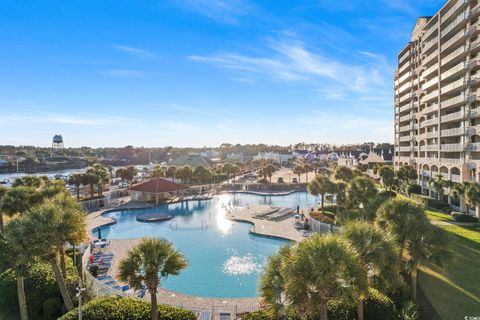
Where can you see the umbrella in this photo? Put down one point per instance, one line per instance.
(99, 233)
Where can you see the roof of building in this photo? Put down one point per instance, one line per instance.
(158, 185)
(191, 160)
(57, 138)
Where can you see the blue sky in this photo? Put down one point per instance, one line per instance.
(200, 72)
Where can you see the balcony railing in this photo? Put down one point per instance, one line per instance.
(404, 77)
(454, 85)
(429, 122)
(452, 132)
(426, 60)
(404, 67)
(453, 10)
(453, 116)
(455, 177)
(405, 149)
(404, 56)
(431, 147)
(405, 138)
(405, 108)
(430, 109)
(429, 71)
(405, 128)
(453, 101)
(404, 87)
(408, 117)
(429, 44)
(450, 161)
(460, 18)
(405, 97)
(454, 55)
(461, 67)
(430, 96)
(452, 147)
(430, 83)
(457, 37)
(428, 135)
(474, 146)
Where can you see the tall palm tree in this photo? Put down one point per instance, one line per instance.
(148, 263)
(321, 185)
(3, 192)
(437, 184)
(418, 239)
(76, 180)
(103, 177)
(387, 175)
(158, 172)
(359, 191)
(170, 173)
(90, 179)
(298, 170)
(15, 246)
(272, 284)
(319, 269)
(472, 195)
(307, 168)
(377, 251)
(50, 227)
(343, 173)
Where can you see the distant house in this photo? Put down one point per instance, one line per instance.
(235, 157)
(192, 159)
(3, 162)
(275, 156)
(156, 190)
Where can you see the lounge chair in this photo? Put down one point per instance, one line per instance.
(105, 278)
(125, 288)
(110, 283)
(225, 316)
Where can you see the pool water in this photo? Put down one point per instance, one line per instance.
(224, 259)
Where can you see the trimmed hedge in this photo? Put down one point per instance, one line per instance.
(115, 308)
(322, 217)
(462, 217)
(432, 203)
(376, 307)
(331, 207)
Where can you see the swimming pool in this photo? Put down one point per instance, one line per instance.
(225, 260)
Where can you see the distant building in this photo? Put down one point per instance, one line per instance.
(235, 157)
(275, 156)
(57, 142)
(193, 159)
(156, 190)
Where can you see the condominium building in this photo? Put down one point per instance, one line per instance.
(437, 122)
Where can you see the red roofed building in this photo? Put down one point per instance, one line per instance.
(156, 190)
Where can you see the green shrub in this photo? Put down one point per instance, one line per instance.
(462, 217)
(40, 285)
(414, 189)
(331, 207)
(52, 308)
(379, 307)
(257, 315)
(115, 308)
(331, 215)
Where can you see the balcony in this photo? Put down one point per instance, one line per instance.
(405, 149)
(406, 97)
(404, 67)
(452, 132)
(429, 44)
(455, 177)
(404, 56)
(433, 108)
(455, 39)
(474, 44)
(429, 147)
(452, 147)
(428, 135)
(430, 83)
(429, 122)
(405, 87)
(405, 108)
(453, 116)
(408, 117)
(454, 9)
(450, 161)
(458, 84)
(453, 101)
(474, 146)
(405, 138)
(459, 19)
(429, 71)
(430, 96)
(457, 54)
(405, 128)
(459, 68)
(406, 76)
(431, 57)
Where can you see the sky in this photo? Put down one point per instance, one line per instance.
(200, 72)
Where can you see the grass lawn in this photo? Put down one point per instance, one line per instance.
(438, 216)
(454, 290)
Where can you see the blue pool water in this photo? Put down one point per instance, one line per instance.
(225, 260)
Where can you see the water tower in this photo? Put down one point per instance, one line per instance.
(57, 142)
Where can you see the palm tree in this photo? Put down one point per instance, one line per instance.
(3, 192)
(321, 185)
(148, 263)
(185, 174)
(103, 177)
(28, 181)
(272, 283)
(298, 170)
(377, 252)
(472, 195)
(50, 227)
(158, 172)
(306, 169)
(406, 174)
(319, 269)
(90, 179)
(76, 180)
(170, 173)
(15, 246)
(417, 238)
(343, 173)
(387, 175)
(359, 191)
(437, 184)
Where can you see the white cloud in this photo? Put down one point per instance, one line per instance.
(223, 11)
(55, 118)
(136, 52)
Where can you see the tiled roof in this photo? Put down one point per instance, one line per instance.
(158, 185)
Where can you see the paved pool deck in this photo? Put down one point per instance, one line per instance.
(283, 229)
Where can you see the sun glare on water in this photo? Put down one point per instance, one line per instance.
(236, 265)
